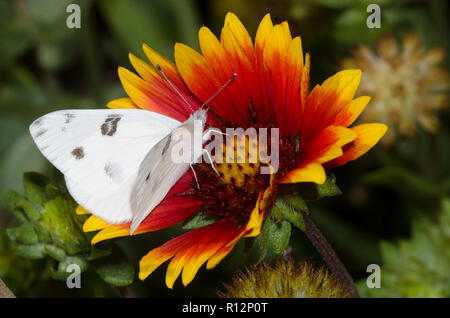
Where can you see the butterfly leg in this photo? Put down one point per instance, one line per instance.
(195, 175)
(211, 162)
(208, 133)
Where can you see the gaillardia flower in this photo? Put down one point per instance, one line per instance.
(271, 90)
(405, 82)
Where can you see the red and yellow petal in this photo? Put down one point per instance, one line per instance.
(151, 91)
(351, 111)
(202, 80)
(207, 244)
(171, 71)
(328, 145)
(263, 33)
(124, 102)
(326, 102)
(283, 67)
(218, 61)
(368, 136)
(185, 252)
(168, 213)
(311, 172)
(81, 211)
(239, 34)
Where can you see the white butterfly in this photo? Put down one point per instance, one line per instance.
(117, 163)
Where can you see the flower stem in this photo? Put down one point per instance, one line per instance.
(124, 292)
(5, 292)
(329, 256)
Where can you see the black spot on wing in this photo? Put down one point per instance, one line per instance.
(40, 133)
(37, 123)
(114, 171)
(78, 153)
(69, 117)
(108, 170)
(109, 127)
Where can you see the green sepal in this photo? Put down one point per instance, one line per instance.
(279, 235)
(312, 191)
(35, 251)
(197, 221)
(289, 208)
(263, 239)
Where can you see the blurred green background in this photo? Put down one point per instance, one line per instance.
(45, 66)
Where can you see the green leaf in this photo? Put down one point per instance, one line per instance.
(61, 272)
(55, 252)
(34, 185)
(279, 235)
(197, 221)
(36, 178)
(34, 193)
(30, 210)
(66, 232)
(13, 198)
(36, 251)
(52, 191)
(23, 234)
(118, 274)
(418, 266)
(69, 260)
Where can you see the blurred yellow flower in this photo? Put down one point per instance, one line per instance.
(406, 84)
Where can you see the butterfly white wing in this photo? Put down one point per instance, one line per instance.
(159, 172)
(99, 153)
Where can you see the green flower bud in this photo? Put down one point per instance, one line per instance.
(286, 280)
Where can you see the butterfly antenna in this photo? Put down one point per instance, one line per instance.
(158, 67)
(217, 93)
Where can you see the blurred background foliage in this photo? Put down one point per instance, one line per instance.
(393, 193)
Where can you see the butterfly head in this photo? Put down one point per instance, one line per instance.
(199, 114)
